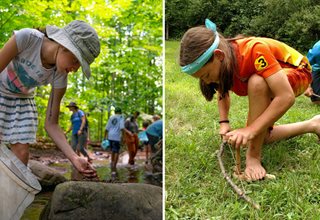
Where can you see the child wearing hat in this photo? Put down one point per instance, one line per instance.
(31, 59)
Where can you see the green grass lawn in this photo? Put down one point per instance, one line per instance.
(195, 188)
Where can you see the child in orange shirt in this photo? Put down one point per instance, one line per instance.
(269, 72)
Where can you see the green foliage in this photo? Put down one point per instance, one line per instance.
(128, 71)
(293, 22)
(195, 188)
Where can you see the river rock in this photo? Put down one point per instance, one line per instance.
(47, 176)
(98, 200)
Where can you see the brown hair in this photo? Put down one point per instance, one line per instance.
(194, 43)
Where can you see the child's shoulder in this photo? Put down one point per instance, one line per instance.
(28, 38)
(256, 45)
(252, 41)
(29, 32)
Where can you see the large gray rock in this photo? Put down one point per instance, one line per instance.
(47, 176)
(97, 200)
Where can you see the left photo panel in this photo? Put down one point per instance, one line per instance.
(81, 108)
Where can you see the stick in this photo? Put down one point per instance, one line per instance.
(238, 161)
(318, 96)
(239, 192)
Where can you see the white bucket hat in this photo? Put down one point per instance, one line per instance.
(79, 38)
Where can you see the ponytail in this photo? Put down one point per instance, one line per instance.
(208, 90)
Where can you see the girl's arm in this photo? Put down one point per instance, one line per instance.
(56, 133)
(224, 106)
(283, 99)
(8, 52)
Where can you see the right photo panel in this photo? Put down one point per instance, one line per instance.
(242, 123)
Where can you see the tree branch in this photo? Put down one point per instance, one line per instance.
(239, 192)
(8, 19)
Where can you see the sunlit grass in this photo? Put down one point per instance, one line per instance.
(195, 188)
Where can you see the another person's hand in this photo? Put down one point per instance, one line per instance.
(308, 92)
(79, 132)
(240, 137)
(84, 167)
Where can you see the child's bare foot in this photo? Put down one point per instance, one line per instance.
(315, 124)
(254, 170)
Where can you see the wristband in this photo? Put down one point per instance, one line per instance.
(223, 121)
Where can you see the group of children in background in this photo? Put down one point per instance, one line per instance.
(118, 131)
(127, 131)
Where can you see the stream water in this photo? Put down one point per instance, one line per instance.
(101, 161)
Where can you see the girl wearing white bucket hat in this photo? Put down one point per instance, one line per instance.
(30, 59)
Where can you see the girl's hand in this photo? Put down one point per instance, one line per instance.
(240, 137)
(84, 167)
(224, 129)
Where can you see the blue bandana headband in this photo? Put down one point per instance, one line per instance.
(203, 59)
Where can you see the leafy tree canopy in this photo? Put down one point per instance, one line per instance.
(295, 22)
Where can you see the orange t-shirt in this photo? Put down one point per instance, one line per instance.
(263, 56)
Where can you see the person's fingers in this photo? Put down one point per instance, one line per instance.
(244, 141)
(85, 167)
(224, 137)
(222, 133)
(232, 140)
(89, 166)
(229, 134)
(238, 142)
(89, 173)
(234, 137)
